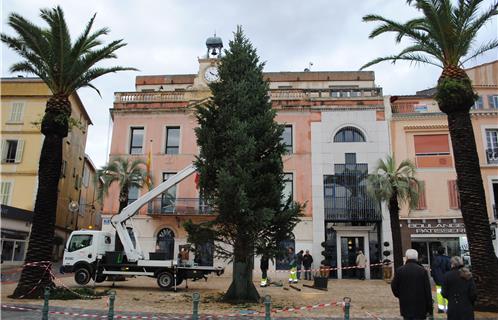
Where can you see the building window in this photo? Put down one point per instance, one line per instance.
(287, 138)
(282, 261)
(453, 194)
(165, 243)
(86, 177)
(12, 151)
(349, 134)
(432, 151)
(136, 140)
(288, 191)
(422, 203)
(492, 146)
(168, 202)
(172, 140)
(350, 158)
(479, 104)
(5, 189)
(132, 194)
(17, 112)
(493, 101)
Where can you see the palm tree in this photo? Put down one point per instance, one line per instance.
(64, 66)
(127, 173)
(395, 185)
(444, 36)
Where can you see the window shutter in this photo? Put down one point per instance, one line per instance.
(4, 150)
(5, 192)
(19, 150)
(17, 111)
(453, 194)
(422, 204)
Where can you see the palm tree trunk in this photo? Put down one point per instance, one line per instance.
(242, 288)
(473, 207)
(395, 230)
(55, 127)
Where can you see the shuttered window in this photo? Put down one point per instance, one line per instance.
(431, 145)
(422, 204)
(16, 112)
(12, 150)
(5, 187)
(453, 194)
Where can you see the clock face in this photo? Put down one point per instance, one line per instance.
(211, 74)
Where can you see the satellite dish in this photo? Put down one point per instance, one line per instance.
(73, 206)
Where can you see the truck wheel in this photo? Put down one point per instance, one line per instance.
(82, 276)
(165, 280)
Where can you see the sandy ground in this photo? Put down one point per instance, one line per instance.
(370, 298)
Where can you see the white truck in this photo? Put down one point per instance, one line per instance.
(90, 253)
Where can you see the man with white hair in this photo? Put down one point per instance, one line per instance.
(412, 287)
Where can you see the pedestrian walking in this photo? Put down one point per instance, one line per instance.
(440, 266)
(361, 263)
(264, 270)
(412, 288)
(292, 258)
(299, 263)
(460, 290)
(307, 261)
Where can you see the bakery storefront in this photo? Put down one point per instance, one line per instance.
(427, 235)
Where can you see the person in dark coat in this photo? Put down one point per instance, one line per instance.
(460, 290)
(440, 266)
(307, 261)
(412, 287)
(299, 261)
(264, 270)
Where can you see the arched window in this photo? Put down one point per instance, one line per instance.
(166, 243)
(349, 134)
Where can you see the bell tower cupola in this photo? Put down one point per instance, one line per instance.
(214, 45)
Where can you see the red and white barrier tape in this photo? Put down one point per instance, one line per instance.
(333, 269)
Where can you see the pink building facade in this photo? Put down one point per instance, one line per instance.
(334, 122)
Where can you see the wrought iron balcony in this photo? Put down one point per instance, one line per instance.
(492, 155)
(178, 206)
(346, 197)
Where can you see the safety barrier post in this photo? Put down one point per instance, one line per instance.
(112, 297)
(196, 297)
(346, 304)
(267, 307)
(46, 297)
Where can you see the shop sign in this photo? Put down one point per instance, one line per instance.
(435, 228)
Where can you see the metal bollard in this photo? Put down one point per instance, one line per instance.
(346, 304)
(196, 297)
(267, 307)
(46, 297)
(112, 297)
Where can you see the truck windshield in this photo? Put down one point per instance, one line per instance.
(80, 241)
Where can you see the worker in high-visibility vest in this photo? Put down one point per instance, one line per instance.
(264, 270)
(292, 265)
(440, 266)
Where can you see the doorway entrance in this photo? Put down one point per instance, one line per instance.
(349, 249)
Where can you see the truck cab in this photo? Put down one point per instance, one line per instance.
(82, 250)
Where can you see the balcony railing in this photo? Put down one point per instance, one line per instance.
(409, 108)
(178, 206)
(492, 155)
(156, 96)
(346, 197)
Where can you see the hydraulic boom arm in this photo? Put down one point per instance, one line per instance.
(119, 221)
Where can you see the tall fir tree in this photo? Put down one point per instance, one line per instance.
(240, 168)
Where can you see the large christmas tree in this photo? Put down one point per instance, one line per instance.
(240, 168)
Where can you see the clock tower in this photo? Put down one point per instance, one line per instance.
(208, 65)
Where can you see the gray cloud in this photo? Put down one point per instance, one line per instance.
(166, 37)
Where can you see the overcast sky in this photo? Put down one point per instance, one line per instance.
(166, 37)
